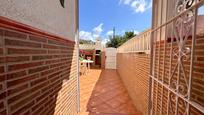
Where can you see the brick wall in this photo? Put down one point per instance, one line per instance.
(37, 75)
(133, 69)
(162, 69)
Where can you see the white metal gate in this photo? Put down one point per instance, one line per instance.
(110, 62)
(173, 59)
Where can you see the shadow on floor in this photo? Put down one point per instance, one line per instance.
(103, 93)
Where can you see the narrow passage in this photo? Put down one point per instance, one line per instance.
(103, 93)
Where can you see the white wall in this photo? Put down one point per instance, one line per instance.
(47, 15)
(110, 61)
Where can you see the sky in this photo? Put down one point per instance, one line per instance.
(97, 18)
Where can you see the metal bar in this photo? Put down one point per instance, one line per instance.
(195, 105)
(192, 58)
(164, 55)
(151, 85)
(153, 69)
(152, 64)
(180, 45)
(170, 68)
(159, 35)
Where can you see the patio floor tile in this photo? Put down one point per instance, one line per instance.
(103, 93)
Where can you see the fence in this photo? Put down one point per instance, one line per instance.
(133, 68)
(176, 60)
(140, 43)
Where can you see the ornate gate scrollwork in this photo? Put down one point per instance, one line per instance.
(180, 61)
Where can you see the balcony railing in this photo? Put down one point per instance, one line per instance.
(138, 44)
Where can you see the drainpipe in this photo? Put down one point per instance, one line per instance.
(77, 48)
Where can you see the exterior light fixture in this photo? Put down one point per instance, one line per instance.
(62, 3)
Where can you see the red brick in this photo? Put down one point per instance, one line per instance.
(1, 33)
(38, 39)
(52, 61)
(2, 95)
(56, 65)
(17, 89)
(1, 37)
(17, 35)
(40, 86)
(57, 42)
(16, 75)
(24, 66)
(3, 112)
(1, 51)
(2, 105)
(135, 71)
(2, 70)
(38, 81)
(39, 110)
(15, 98)
(54, 79)
(25, 51)
(1, 87)
(22, 80)
(2, 78)
(24, 101)
(50, 46)
(54, 74)
(42, 57)
(54, 51)
(47, 72)
(24, 108)
(42, 96)
(27, 73)
(27, 113)
(38, 105)
(9, 42)
(2, 60)
(17, 59)
(38, 69)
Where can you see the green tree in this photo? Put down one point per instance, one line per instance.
(119, 40)
(114, 41)
(81, 41)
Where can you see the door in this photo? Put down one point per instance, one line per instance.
(110, 61)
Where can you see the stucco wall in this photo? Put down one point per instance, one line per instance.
(47, 15)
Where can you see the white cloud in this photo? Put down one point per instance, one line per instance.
(137, 5)
(98, 30)
(109, 33)
(86, 35)
(136, 32)
(104, 41)
(95, 33)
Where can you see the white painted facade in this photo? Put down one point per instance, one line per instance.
(46, 15)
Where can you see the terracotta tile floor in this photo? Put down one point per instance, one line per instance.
(103, 93)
